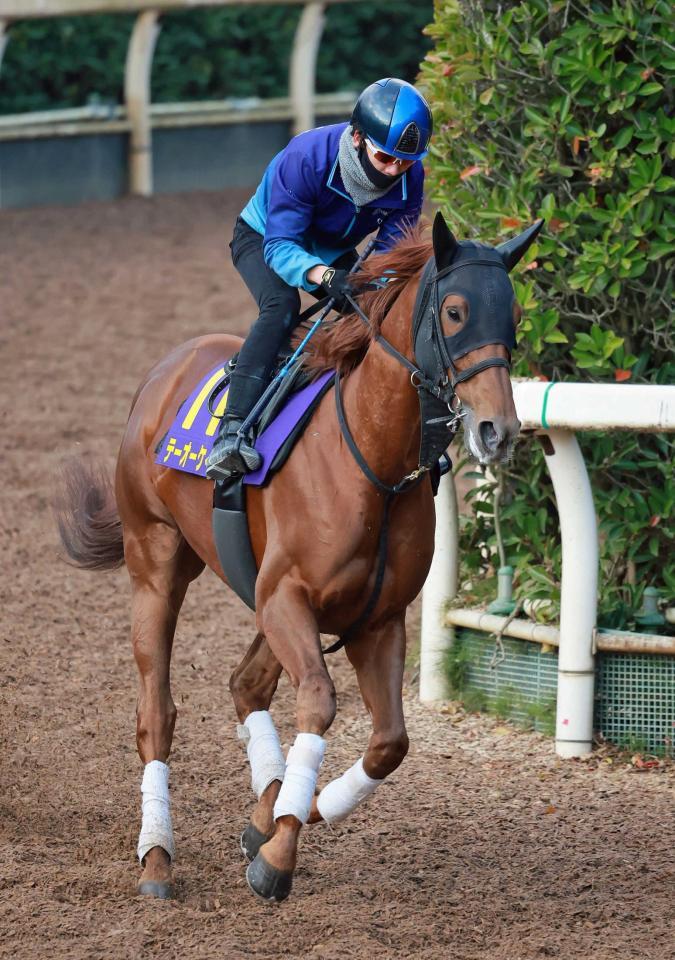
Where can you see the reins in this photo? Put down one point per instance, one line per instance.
(390, 491)
(420, 382)
(431, 395)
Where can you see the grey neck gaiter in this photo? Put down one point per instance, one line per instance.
(354, 177)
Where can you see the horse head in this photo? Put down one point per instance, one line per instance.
(465, 330)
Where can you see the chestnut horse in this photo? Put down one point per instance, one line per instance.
(448, 314)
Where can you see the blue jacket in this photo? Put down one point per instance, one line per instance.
(306, 216)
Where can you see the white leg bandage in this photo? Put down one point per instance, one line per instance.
(302, 769)
(339, 797)
(156, 829)
(264, 750)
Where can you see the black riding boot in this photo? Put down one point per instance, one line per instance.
(233, 452)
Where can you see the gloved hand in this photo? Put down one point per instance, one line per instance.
(337, 284)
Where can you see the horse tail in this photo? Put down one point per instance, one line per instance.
(86, 514)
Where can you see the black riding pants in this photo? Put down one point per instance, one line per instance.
(279, 306)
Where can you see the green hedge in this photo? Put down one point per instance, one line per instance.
(565, 111)
(209, 54)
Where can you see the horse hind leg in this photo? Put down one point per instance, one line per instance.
(253, 685)
(161, 565)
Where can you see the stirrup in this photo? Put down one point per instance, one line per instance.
(232, 454)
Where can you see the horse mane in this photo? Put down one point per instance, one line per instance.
(341, 344)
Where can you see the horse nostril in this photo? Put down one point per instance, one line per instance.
(490, 436)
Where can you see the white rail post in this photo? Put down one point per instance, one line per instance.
(137, 97)
(440, 586)
(578, 595)
(302, 80)
(4, 37)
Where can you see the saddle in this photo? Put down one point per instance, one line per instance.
(192, 434)
(188, 442)
(286, 416)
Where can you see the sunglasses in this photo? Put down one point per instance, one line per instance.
(383, 157)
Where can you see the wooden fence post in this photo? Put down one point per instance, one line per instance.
(137, 97)
(302, 81)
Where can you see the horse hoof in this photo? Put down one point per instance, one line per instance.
(155, 888)
(267, 882)
(251, 841)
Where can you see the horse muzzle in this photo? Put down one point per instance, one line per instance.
(491, 441)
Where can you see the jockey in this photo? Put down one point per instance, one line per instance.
(319, 197)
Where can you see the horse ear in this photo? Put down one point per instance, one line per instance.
(512, 250)
(445, 245)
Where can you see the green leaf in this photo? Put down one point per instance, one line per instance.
(537, 118)
(649, 146)
(547, 206)
(657, 250)
(565, 108)
(562, 169)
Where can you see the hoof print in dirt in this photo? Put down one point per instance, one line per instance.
(156, 889)
(267, 882)
(251, 841)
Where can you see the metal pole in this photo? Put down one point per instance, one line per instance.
(4, 38)
(302, 79)
(440, 586)
(578, 595)
(137, 96)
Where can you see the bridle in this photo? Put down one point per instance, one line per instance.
(434, 374)
(428, 309)
(440, 407)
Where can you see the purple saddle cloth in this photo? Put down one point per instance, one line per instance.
(189, 440)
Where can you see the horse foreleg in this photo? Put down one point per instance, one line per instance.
(161, 566)
(252, 685)
(293, 637)
(378, 657)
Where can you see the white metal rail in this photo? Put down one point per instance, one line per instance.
(302, 74)
(557, 410)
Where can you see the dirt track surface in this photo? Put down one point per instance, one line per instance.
(481, 847)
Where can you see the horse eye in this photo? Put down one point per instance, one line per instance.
(453, 315)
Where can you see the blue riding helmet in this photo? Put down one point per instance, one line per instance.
(395, 117)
